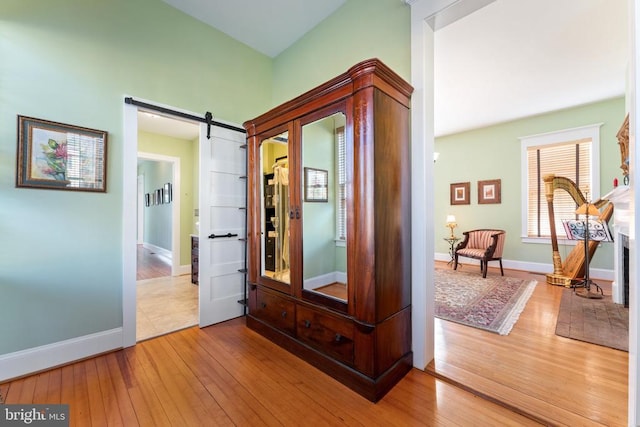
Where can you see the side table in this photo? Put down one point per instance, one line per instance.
(452, 242)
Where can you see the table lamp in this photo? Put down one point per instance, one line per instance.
(451, 223)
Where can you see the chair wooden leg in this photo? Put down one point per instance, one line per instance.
(455, 262)
(501, 270)
(484, 271)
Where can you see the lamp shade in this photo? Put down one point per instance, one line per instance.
(451, 218)
(588, 209)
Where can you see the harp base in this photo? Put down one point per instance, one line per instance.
(558, 280)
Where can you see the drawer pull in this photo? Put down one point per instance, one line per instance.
(307, 324)
(264, 305)
(284, 314)
(338, 337)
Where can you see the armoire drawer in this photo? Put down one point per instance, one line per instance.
(276, 311)
(329, 334)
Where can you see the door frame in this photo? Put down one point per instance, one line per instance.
(129, 217)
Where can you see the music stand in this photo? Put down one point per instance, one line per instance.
(585, 230)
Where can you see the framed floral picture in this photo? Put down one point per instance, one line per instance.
(489, 191)
(58, 156)
(459, 193)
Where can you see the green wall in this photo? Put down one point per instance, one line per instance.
(158, 218)
(73, 61)
(185, 150)
(494, 153)
(359, 30)
(319, 225)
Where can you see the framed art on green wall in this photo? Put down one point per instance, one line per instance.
(58, 156)
(489, 191)
(459, 193)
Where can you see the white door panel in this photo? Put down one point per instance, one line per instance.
(225, 218)
(222, 203)
(227, 189)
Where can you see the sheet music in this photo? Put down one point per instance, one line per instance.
(598, 230)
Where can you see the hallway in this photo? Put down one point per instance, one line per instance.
(163, 303)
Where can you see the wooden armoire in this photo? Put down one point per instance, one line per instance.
(329, 227)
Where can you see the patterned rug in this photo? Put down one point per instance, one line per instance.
(493, 304)
(596, 321)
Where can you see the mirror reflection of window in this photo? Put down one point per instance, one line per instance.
(275, 208)
(324, 221)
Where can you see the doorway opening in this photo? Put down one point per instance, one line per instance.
(166, 298)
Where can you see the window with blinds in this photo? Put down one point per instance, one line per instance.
(571, 154)
(85, 161)
(341, 183)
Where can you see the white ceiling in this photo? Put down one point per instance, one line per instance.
(508, 60)
(518, 58)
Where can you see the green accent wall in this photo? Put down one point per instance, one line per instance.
(319, 218)
(494, 152)
(157, 217)
(185, 150)
(74, 61)
(359, 30)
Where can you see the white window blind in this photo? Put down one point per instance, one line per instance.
(85, 156)
(341, 182)
(572, 154)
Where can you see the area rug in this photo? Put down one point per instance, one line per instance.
(493, 304)
(596, 321)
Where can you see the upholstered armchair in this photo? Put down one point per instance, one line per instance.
(483, 244)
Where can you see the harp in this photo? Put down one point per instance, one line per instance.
(574, 264)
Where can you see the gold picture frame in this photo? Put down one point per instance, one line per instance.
(58, 156)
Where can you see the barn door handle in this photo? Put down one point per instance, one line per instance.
(215, 236)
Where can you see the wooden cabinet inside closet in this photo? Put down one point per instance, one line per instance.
(329, 227)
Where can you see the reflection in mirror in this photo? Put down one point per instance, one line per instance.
(324, 207)
(275, 208)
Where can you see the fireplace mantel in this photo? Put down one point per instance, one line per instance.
(620, 197)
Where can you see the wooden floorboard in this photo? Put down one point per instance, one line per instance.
(228, 375)
(556, 379)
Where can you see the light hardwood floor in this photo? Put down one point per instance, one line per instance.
(558, 380)
(228, 375)
(164, 303)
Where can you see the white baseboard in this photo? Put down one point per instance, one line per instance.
(166, 253)
(184, 269)
(534, 267)
(30, 361)
(325, 279)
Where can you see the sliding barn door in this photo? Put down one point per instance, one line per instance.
(222, 236)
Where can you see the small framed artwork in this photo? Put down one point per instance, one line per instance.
(459, 193)
(147, 199)
(58, 156)
(489, 191)
(159, 196)
(167, 194)
(316, 185)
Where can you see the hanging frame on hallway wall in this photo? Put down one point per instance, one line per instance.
(59, 156)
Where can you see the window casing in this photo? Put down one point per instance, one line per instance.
(572, 153)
